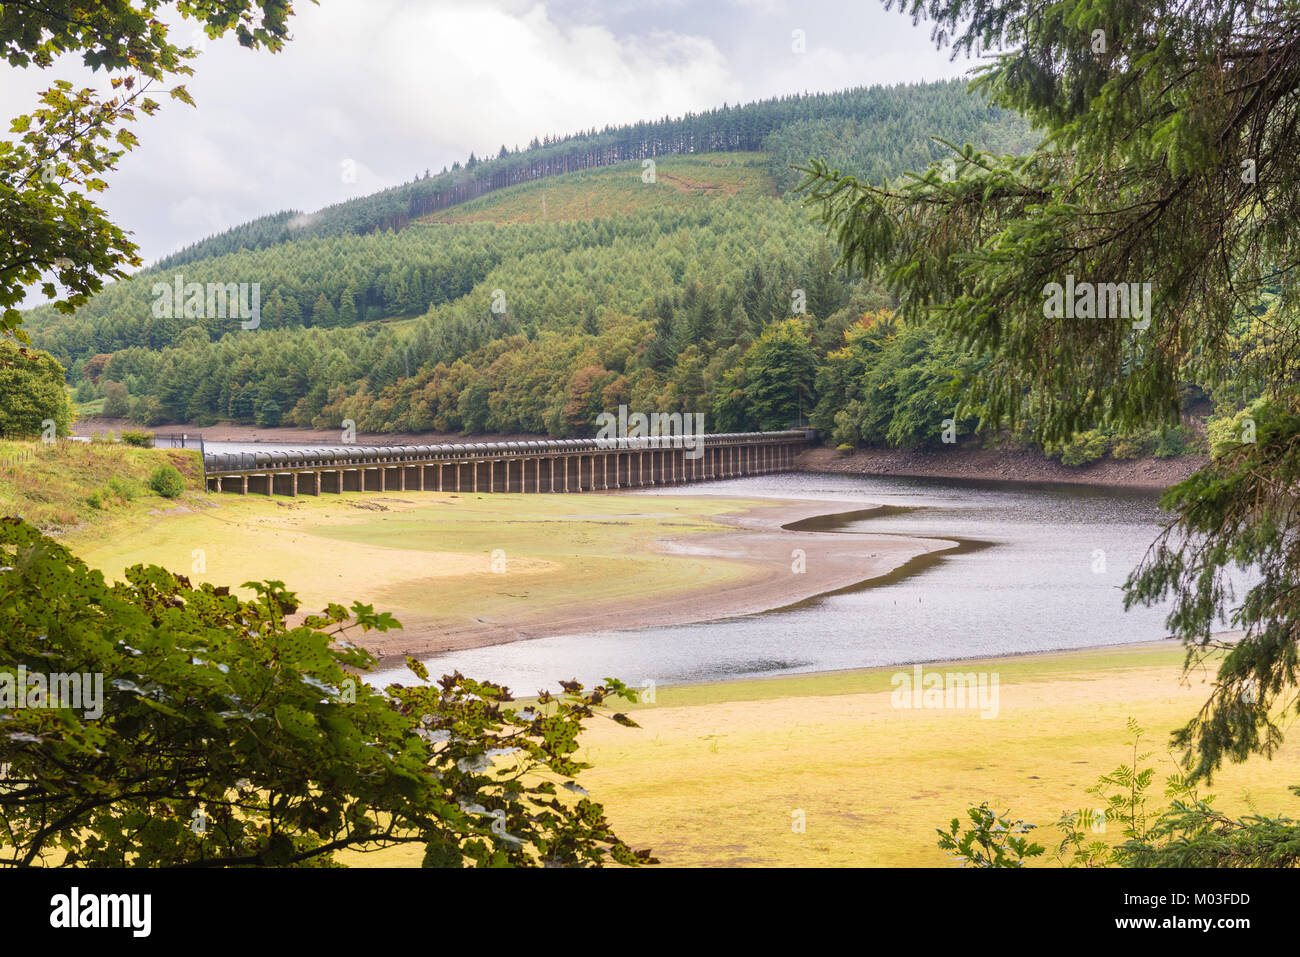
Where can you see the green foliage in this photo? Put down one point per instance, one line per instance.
(167, 481)
(1167, 159)
(268, 414)
(891, 384)
(1125, 790)
(62, 149)
(118, 491)
(1096, 444)
(1085, 447)
(1224, 432)
(147, 410)
(632, 296)
(771, 388)
(1188, 832)
(117, 402)
(125, 491)
(217, 710)
(85, 392)
(1125, 188)
(1173, 441)
(990, 841)
(1129, 447)
(867, 130)
(628, 293)
(142, 440)
(894, 129)
(1191, 833)
(32, 392)
(1235, 514)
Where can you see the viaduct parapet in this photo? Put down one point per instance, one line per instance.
(558, 465)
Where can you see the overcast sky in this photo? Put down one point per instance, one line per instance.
(398, 86)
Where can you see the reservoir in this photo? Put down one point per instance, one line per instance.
(1030, 568)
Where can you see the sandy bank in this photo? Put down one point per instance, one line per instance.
(712, 778)
(769, 557)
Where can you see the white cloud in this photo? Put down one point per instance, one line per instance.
(398, 86)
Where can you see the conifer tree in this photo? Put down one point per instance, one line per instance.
(1169, 159)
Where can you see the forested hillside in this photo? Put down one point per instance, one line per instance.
(532, 291)
(873, 132)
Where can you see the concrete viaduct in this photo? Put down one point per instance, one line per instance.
(559, 465)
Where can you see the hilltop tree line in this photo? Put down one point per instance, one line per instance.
(873, 131)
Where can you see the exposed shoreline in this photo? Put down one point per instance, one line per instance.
(1149, 644)
(1002, 465)
(757, 540)
(761, 540)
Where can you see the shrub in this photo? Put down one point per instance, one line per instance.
(846, 430)
(1130, 447)
(1172, 442)
(117, 403)
(123, 489)
(1085, 447)
(95, 500)
(32, 392)
(1227, 430)
(992, 841)
(142, 440)
(167, 481)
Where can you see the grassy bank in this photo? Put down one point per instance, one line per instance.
(64, 486)
(431, 558)
(716, 772)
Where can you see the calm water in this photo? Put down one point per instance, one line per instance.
(1033, 568)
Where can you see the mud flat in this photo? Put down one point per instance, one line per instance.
(463, 571)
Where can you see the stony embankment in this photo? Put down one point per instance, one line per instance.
(1007, 465)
